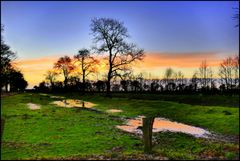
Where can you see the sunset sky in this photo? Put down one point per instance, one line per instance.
(173, 34)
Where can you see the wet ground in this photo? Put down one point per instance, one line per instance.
(33, 106)
(161, 124)
(60, 97)
(71, 103)
(113, 111)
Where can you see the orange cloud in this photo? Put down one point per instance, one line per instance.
(34, 69)
(181, 60)
(154, 62)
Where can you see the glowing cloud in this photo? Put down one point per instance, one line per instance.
(154, 63)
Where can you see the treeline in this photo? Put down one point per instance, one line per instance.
(11, 78)
(109, 37)
(173, 81)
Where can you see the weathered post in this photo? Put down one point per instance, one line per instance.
(2, 127)
(147, 134)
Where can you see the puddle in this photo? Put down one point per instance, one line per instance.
(33, 106)
(162, 124)
(69, 103)
(43, 94)
(114, 111)
(60, 97)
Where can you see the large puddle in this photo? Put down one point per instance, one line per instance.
(162, 124)
(70, 103)
(33, 106)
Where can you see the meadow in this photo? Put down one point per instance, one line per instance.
(54, 132)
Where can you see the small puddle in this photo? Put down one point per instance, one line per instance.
(43, 94)
(60, 97)
(114, 111)
(70, 103)
(33, 106)
(162, 124)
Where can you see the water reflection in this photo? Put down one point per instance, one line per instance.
(70, 103)
(33, 106)
(162, 124)
(114, 111)
(60, 97)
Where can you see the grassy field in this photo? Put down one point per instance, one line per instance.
(54, 132)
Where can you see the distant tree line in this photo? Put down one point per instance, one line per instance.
(110, 38)
(173, 81)
(11, 78)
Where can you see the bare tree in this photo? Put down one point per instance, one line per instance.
(64, 64)
(194, 81)
(109, 37)
(205, 73)
(7, 56)
(180, 77)
(168, 76)
(87, 64)
(236, 70)
(51, 77)
(226, 72)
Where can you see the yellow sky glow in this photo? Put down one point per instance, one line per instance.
(153, 63)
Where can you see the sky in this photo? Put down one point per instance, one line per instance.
(173, 34)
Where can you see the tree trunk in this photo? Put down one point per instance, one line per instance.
(108, 87)
(109, 81)
(84, 86)
(65, 83)
(147, 134)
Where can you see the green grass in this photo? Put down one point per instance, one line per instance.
(56, 132)
(182, 146)
(218, 119)
(195, 99)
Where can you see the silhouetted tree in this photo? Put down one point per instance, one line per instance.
(7, 56)
(135, 85)
(100, 85)
(43, 87)
(205, 73)
(109, 36)
(87, 64)
(124, 84)
(194, 82)
(168, 77)
(179, 78)
(51, 77)
(17, 81)
(236, 70)
(154, 86)
(74, 83)
(64, 64)
(226, 72)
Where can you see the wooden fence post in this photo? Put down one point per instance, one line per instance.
(147, 134)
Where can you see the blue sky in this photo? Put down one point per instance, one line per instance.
(37, 29)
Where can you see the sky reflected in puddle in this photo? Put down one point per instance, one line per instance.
(70, 103)
(114, 111)
(33, 106)
(43, 94)
(60, 97)
(162, 124)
